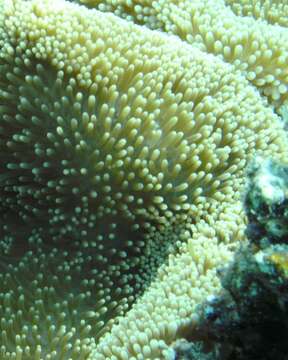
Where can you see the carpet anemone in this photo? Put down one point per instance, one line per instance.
(122, 161)
(251, 34)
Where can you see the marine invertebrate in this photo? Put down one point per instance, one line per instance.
(43, 314)
(55, 303)
(118, 144)
(248, 318)
(255, 47)
(273, 11)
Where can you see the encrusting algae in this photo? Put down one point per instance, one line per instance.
(122, 162)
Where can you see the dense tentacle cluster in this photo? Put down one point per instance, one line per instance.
(168, 305)
(257, 48)
(56, 303)
(123, 143)
(122, 159)
(42, 312)
(70, 296)
(273, 11)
